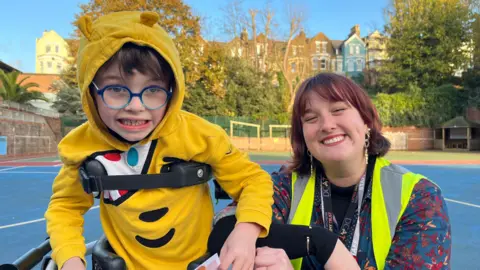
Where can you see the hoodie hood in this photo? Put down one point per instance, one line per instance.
(101, 39)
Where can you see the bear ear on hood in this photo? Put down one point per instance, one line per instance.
(149, 18)
(84, 23)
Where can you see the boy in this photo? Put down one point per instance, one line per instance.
(132, 87)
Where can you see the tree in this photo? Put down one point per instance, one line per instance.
(295, 21)
(251, 92)
(476, 40)
(175, 17)
(426, 42)
(248, 92)
(12, 90)
(267, 16)
(206, 96)
(68, 101)
(253, 26)
(420, 107)
(235, 19)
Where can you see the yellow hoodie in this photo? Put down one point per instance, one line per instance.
(182, 217)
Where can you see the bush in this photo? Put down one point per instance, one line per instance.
(420, 107)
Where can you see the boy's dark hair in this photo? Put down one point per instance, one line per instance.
(144, 59)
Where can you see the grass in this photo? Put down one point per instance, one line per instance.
(392, 155)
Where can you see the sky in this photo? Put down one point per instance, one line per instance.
(24, 21)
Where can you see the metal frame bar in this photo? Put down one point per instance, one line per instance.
(52, 266)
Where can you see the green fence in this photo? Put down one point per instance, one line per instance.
(71, 122)
(249, 131)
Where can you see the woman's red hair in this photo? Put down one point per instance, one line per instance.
(333, 87)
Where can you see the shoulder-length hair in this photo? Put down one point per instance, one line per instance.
(335, 88)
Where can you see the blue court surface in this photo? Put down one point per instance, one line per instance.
(26, 192)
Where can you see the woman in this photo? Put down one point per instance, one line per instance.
(371, 214)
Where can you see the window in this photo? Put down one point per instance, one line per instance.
(294, 50)
(47, 49)
(323, 63)
(351, 49)
(324, 47)
(240, 52)
(315, 64)
(351, 66)
(41, 66)
(59, 66)
(294, 67)
(339, 65)
(359, 65)
(317, 46)
(57, 49)
(49, 64)
(357, 49)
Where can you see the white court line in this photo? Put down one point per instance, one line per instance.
(95, 207)
(30, 221)
(464, 203)
(20, 160)
(29, 172)
(12, 168)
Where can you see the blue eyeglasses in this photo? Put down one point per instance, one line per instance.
(118, 96)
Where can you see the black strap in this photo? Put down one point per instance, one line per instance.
(178, 175)
(349, 223)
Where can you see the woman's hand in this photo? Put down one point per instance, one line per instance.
(239, 248)
(341, 258)
(272, 259)
(74, 263)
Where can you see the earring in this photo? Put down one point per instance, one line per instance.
(367, 144)
(311, 162)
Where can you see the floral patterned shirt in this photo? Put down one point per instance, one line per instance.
(422, 238)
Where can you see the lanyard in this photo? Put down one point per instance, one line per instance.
(350, 228)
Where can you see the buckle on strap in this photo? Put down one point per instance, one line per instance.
(90, 183)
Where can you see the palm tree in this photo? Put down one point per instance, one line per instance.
(10, 90)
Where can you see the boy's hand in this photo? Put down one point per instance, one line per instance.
(239, 249)
(272, 258)
(74, 263)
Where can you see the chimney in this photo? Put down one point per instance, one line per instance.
(244, 35)
(355, 30)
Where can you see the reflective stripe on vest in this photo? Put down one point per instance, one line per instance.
(391, 191)
(303, 195)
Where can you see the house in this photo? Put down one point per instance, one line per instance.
(338, 52)
(306, 56)
(52, 53)
(322, 53)
(298, 55)
(7, 68)
(376, 44)
(354, 53)
(376, 55)
(46, 86)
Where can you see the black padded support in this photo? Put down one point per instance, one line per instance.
(103, 257)
(177, 175)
